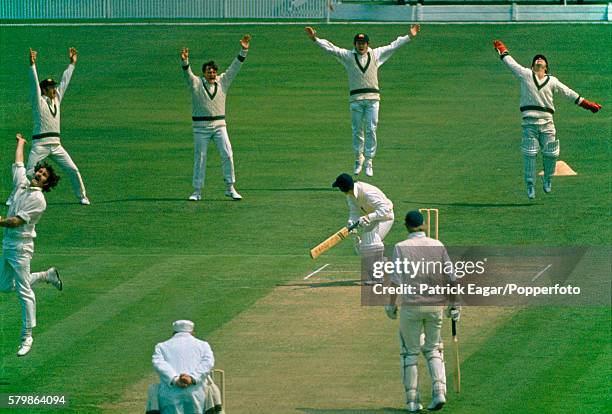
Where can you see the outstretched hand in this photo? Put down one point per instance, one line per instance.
(311, 32)
(184, 53)
(33, 55)
(500, 47)
(244, 42)
(415, 29)
(72, 55)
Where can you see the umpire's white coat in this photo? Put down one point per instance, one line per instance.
(182, 354)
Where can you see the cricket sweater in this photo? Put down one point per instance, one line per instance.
(362, 70)
(536, 102)
(366, 199)
(208, 100)
(46, 111)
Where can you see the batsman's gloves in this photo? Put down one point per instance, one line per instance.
(453, 312)
(591, 106)
(501, 48)
(364, 221)
(391, 311)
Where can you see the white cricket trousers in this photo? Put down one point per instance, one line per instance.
(202, 135)
(58, 154)
(364, 117)
(15, 276)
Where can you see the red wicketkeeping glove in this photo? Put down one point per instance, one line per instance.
(500, 47)
(591, 106)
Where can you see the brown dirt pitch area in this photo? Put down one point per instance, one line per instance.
(310, 347)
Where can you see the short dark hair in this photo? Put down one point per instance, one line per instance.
(210, 63)
(52, 179)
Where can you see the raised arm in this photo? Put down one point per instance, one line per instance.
(67, 75)
(189, 76)
(326, 45)
(575, 97)
(19, 178)
(228, 76)
(504, 55)
(35, 93)
(383, 53)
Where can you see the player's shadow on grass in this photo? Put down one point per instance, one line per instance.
(329, 189)
(338, 283)
(475, 205)
(383, 410)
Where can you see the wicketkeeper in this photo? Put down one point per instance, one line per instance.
(537, 109)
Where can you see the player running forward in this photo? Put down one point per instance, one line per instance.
(18, 242)
(361, 64)
(537, 109)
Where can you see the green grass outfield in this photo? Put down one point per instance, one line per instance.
(141, 255)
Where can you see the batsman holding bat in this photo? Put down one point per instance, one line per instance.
(421, 313)
(373, 211)
(537, 109)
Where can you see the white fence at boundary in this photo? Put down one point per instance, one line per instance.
(296, 9)
(164, 9)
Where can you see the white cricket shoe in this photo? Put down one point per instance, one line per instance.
(369, 170)
(84, 201)
(195, 196)
(358, 165)
(231, 192)
(437, 402)
(530, 191)
(547, 185)
(25, 346)
(413, 407)
(54, 278)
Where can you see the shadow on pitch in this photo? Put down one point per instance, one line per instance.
(313, 189)
(383, 410)
(338, 283)
(473, 205)
(149, 200)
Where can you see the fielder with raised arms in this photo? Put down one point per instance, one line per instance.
(537, 109)
(362, 65)
(208, 95)
(46, 99)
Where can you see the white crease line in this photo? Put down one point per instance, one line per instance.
(541, 272)
(317, 271)
(340, 271)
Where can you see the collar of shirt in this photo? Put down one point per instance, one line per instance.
(416, 235)
(355, 191)
(32, 188)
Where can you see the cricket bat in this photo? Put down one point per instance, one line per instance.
(457, 368)
(332, 240)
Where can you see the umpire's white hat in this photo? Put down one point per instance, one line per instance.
(183, 325)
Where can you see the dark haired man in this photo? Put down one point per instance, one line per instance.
(18, 242)
(208, 94)
(362, 65)
(537, 109)
(369, 206)
(46, 98)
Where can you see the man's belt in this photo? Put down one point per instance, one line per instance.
(46, 135)
(537, 108)
(364, 90)
(208, 118)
